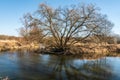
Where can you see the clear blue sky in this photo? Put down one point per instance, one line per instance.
(12, 10)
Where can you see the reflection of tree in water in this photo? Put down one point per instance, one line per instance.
(95, 70)
(64, 69)
(47, 67)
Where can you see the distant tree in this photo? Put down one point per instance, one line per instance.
(30, 30)
(116, 38)
(67, 24)
(7, 37)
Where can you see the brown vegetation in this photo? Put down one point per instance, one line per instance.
(84, 50)
(8, 45)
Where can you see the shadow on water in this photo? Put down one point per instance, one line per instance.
(27, 66)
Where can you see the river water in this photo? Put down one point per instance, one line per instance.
(31, 66)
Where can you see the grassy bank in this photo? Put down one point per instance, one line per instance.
(83, 50)
(10, 45)
(89, 51)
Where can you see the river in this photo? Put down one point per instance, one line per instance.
(31, 66)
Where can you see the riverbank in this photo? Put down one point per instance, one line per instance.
(83, 50)
(13, 45)
(90, 51)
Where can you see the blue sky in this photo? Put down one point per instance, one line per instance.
(12, 10)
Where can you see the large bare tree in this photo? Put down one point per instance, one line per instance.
(67, 24)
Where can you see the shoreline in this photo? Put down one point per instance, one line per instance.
(82, 50)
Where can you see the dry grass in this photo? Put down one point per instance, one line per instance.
(6, 45)
(84, 50)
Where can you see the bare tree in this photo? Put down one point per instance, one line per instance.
(30, 30)
(67, 24)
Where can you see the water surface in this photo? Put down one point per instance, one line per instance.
(31, 66)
